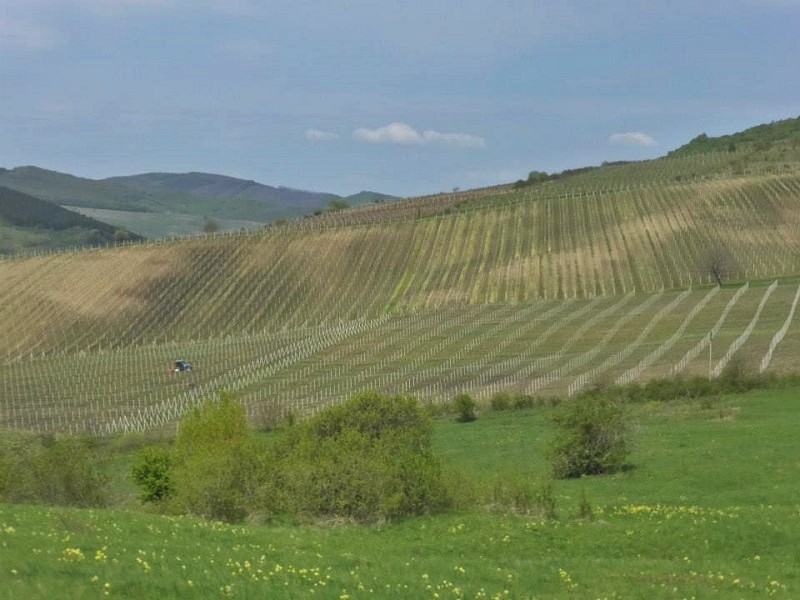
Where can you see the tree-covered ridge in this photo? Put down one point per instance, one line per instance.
(27, 222)
(760, 137)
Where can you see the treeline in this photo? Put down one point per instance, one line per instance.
(535, 177)
(760, 137)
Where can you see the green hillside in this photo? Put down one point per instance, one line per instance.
(166, 204)
(760, 137)
(618, 273)
(27, 223)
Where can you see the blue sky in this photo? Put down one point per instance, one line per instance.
(401, 97)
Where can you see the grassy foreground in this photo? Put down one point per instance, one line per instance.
(708, 509)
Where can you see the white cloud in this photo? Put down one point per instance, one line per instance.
(400, 133)
(632, 138)
(21, 35)
(316, 135)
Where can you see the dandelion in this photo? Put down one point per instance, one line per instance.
(72, 554)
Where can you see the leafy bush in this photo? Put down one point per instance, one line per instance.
(502, 401)
(464, 407)
(47, 470)
(593, 436)
(505, 400)
(217, 462)
(368, 459)
(152, 473)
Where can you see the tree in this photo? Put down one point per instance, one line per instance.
(721, 263)
(211, 226)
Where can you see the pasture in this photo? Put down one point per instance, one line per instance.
(708, 508)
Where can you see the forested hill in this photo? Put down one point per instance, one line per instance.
(27, 222)
(760, 137)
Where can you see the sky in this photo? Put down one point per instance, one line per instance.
(401, 97)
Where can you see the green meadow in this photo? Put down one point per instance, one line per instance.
(707, 507)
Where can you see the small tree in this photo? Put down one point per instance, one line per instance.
(592, 438)
(211, 226)
(121, 236)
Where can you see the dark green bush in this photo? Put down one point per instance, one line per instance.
(592, 438)
(464, 407)
(368, 459)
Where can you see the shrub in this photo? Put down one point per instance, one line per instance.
(48, 470)
(152, 473)
(217, 467)
(522, 401)
(464, 407)
(368, 459)
(502, 401)
(593, 436)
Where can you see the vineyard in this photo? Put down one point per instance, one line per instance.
(676, 266)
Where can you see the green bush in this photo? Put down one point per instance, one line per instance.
(217, 462)
(152, 473)
(63, 471)
(368, 459)
(502, 401)
(592, 438)
(464, 407)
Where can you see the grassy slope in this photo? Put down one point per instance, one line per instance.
(418, 280)
(708, 509)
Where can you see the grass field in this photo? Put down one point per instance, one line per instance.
(708, 508)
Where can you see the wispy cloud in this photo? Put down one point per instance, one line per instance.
(317, 135)
(401, 133)
(632, 138)
(22, 35)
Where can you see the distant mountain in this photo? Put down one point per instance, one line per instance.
(28, 223)
(209, 185)
(182, 201)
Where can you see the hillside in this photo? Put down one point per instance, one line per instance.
(283, 201)
(760, 137)
(28, 223)
(183, 202)
(617, 273)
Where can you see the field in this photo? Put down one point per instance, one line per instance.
(683, 266)
(708, 509)
(615, 274)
